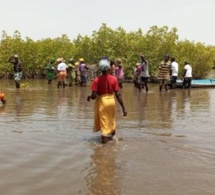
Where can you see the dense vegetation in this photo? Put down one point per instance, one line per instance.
(154, 44)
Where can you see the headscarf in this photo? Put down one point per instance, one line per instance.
(104, 65)
(60, 60)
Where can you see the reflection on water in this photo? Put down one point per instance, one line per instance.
(103, 176)
(47, 145)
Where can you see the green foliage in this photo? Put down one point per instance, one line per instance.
(154, 44)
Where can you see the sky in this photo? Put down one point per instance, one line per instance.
(41, 19)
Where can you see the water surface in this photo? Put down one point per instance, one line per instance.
(47, 145)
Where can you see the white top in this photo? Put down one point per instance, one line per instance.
(62, 67)
(174, 69)
(189, 70)
(145, 69)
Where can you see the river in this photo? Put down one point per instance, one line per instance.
(166, 143)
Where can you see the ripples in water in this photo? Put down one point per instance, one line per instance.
(165, 143)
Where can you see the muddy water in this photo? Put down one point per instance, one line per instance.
(166, 143)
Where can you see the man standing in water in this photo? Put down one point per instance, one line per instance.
(187, 75)
(174, 75)
(164, 72)
(103, 89)
(17, 67)
(144, 72)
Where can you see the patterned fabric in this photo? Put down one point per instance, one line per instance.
(17, 76)
(164, 70)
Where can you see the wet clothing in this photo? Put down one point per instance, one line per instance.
(104, 109)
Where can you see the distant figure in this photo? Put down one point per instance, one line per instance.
(164, 73)
(50, 70)
(2, 98)
(17, 67)
(103, 89)
(187, 75)
(112, 68)
(137, 78)
(62, 72)
(77, 73)
(144, 72)
(71, 71)
(119, 72)
(83, 68)
(174, 75)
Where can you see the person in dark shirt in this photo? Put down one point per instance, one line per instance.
(17, 67)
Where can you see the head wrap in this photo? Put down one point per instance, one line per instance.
(81, 60)
(60, 60)
(104, 65)
(76, 64)
(52, 60)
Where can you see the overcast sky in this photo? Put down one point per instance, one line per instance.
(39, 19)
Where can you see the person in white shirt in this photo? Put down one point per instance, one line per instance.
(144, 72)
(62, 72)
(174, 74)
(187, 75)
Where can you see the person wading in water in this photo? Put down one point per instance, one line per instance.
(103, 89)
(17, 67)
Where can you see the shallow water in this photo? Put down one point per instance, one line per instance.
(166, 143)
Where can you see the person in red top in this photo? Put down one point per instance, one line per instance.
(103, 89)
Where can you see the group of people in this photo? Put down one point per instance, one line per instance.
(105, 87)
(75, 71)
(167, 74)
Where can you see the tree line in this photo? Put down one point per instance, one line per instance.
(154, 44)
